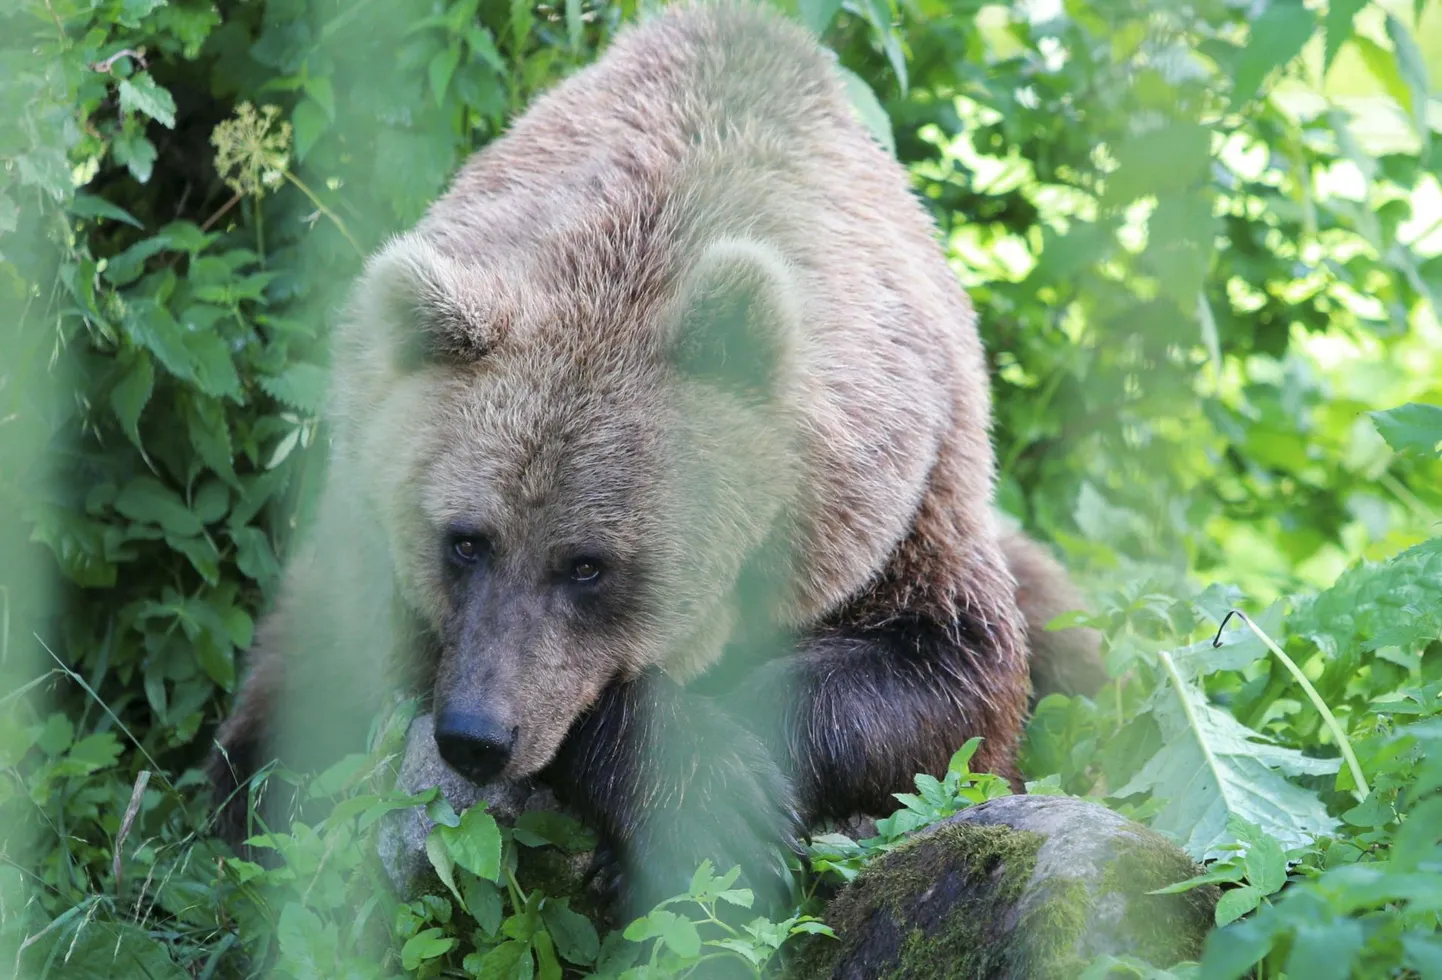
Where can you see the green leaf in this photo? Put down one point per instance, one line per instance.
(817, 15)
(127, 266)
(1412, 428)
(147, 500)
(1325, 952)
(1385, 66)
(95, 949)
(202, 554)
(1236, 903)
(151, 326)
(56, 735)
(425, 945)
(136, 153)
(1266, 865)
(139, 93)
(537, 828)
(209, 432)
(868, 109)
(1412, 66)
(1211, 768)
(1175, 157)
(476, 844)
(1340, 23)
(509, 960)
(1277, 36)
(442, 67)
(90, 206)
(306, 943)
(308, 122)
(129, 397)
(573, 933)
(301, 386)
(254, 556)
(482, 899)
(676, 932)
(93, 752)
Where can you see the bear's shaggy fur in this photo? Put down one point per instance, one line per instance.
(684, 327)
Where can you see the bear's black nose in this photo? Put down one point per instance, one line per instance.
(474, 744)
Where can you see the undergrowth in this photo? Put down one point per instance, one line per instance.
(1204, 242)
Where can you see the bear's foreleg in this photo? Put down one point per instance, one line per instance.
(855, 714)
(667, 779)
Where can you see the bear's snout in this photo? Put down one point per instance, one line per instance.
(474, 743)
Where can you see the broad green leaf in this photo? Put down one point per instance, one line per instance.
(1266, 865)
(536, 828)
(1277, 36)
(442, 67)
(136, 153)
(1236, 903)
(573, 933)
(1340, 23)
(1174, 157)
(301, 386)
(476, 844)
(149, 501)
(1325, 952)
(90, 206)
(508, 961)
(1412, 428)
(94, 949)
(482, 899)
(677, 932)
(1385, 67)
(817, 15)
(869, 110)
(130, 395)
(139, 93)
(202, 554)
(1211, 768)
(98, 751)
(127, 266)
(209, 432)
(309, 122)
(306, 944)
(425, 945)
(1412, 66)
(254, 555)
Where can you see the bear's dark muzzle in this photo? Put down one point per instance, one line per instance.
(474, 744)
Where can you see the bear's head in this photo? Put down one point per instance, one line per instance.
(573, 475)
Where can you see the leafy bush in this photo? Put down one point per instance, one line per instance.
(1203, 240)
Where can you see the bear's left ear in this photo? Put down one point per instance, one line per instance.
(426, 307)
(740, 318)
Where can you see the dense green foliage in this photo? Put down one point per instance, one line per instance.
(1205, 243)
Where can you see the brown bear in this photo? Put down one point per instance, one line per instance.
(661, 460)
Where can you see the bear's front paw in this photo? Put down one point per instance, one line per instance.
(721, 797)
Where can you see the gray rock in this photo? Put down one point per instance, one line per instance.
(1023, 886)
(401, 842)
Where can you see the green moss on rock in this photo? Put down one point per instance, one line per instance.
(979, 899)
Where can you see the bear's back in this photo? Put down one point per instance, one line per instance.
(715, 120)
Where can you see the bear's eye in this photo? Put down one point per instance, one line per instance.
(467, 549)
(585, 570)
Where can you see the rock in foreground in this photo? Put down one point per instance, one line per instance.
(1018, 887)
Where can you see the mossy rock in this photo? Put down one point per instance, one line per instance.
(1019, 887)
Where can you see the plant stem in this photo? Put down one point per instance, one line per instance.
(334, 218)
(1363, 790)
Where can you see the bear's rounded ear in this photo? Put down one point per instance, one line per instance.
(740, 318)
(427, 307)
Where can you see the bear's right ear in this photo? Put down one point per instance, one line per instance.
(740, 318)
(431, 308)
